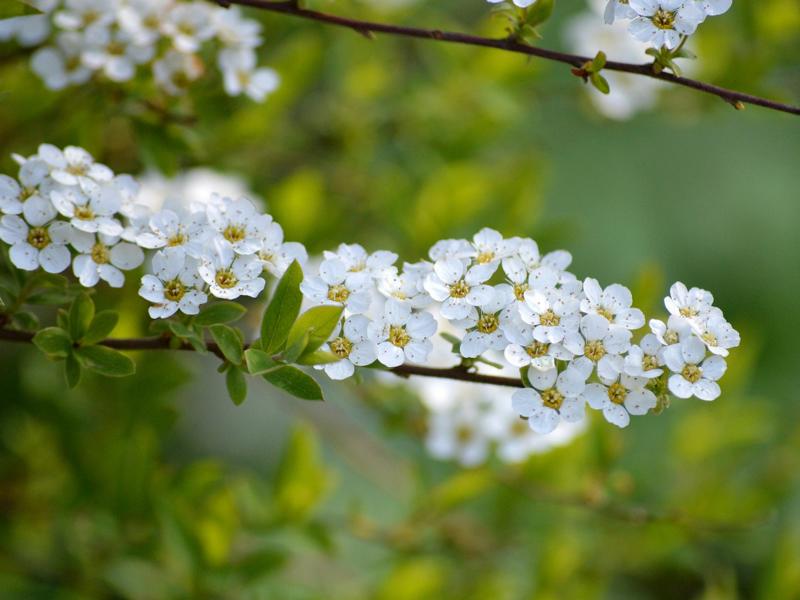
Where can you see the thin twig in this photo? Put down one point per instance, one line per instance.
(366, 28)
(167, 343)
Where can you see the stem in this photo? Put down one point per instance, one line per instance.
(163, 343)
(366, 28)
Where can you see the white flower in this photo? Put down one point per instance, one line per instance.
(355, 259)
(645, 359)
(400, 334)
(717, 334)
(82, 14)
(174, 285)
(168, 230)
(115, 53)
(519, 3)
(613, 303)
(664, 22)
(276, 255)
(40, 244)
(485, 332)
(459, 433)
(28, 30)
(234, 30)
(620, 397)
(60, 66)
(553, 313)
(714, 7)
(598, 345)
(93, 211)
(74, 166)
(554, 397)
(442, 249)
(676, 329)
(335, 285)
(694, 374)
(489, 247)
(14, 197)
(230, 275)
(189, 25)
(353, 346)
(103, 257)
(525, 350)
(618, 9)
(175, 71)
(240, 75)
(690, 304)
(239, 223)
(141, 19)
(404, 287)
(458, 288)
(543, 271)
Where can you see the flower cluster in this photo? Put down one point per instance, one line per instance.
(572, 339)
(664, 23)
(115, 38)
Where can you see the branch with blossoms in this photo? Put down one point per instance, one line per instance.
(512, 308)
(666, 24)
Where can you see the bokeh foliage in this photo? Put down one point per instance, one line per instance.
(157, 487)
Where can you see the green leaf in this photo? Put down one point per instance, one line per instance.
(51, 297)
(72, 371)
(318, 322)
(26, 321)
(295, 382)
(302, 480)
(282, 310)
(62, 319)
(81, 314)
(106, 361)
(102, 325)
(599, 82)
(229, 342)
(188, 334)
(539, 12)
(220, 313)
(599, 61)
(294, 348)
(318, 357)
(259, 362)
(236, 384)
(54, 342)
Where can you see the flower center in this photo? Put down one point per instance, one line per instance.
(692, 373)
(38, 237)
(663, 19)
(549, 318)
(99, 254)
(77, 169)
(89, 17)
(485, 257)
(552, 398)
(617, 393)
(266, 256)
(464, 433)
(488, 323)
(594, 350)
(72, 63)
(341, 347)
(604, 312)
(181, 79)
(234, 233)
(398, 336)
(687, 312)
(226, 279)
(459, 289)
(671, 337)
(174, 290)
(84, 213)
(649, 362)
(186, 29)
(519, 428)
(26, 193)
(338, 293)
(709, 338)
(519, 291)
(179, 239)
(116, 49)
(537, 349)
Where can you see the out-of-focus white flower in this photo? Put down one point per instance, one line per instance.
(242, 76)
(115, 53)
(189, 25)
(175, 71)
(61, 65)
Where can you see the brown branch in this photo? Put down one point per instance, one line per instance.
(166, 343)
(366, 28)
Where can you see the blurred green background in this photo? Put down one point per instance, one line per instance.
(158, 487)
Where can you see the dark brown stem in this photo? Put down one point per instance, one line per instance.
(366, 28)
(165, 343)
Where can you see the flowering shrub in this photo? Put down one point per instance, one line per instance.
(571, 339)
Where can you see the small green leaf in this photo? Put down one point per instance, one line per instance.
(684, 53)
(220, 313)
(599, 82)
(102, 325)
(599, 61)
(295, 348)
(539, 12)
(62, 319)
(318, 322)
(72, 371)
(51, 297)
(295, 382)
(229, 342)
(54, 342)
(259, 362)
(81, 314)
(282, 310)
(318, 357)
(236, 384)
(26, 321)
(188, 334)
(106, 361)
